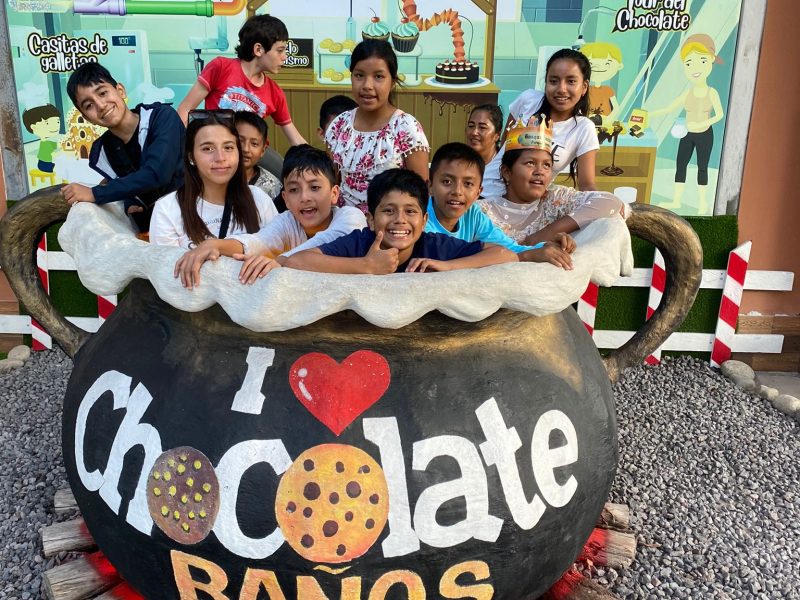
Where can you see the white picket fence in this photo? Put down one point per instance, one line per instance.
(680, 341)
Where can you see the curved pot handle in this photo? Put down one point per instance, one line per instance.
(683, 261)
(20, 231)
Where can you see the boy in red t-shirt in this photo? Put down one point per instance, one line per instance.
(241, 83)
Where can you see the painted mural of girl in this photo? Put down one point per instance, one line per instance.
(703, 108)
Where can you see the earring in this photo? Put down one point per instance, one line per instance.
(191, 162)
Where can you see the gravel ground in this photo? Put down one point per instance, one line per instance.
(32, 469)
(711, 475)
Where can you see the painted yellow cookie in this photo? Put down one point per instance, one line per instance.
(326, 43)
(328, 73)
(337, 76)
(183, 494)
(349, 44)
(332, 503)
(336, 47)
(401, 77)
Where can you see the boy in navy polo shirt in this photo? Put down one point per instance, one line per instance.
(396, 240)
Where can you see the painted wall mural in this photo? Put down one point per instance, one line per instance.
(659, 89)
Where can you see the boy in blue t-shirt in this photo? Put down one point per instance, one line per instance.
(395, 240)
(456, 175)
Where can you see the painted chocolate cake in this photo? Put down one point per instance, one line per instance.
(457, 72)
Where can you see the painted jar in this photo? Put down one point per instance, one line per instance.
(335, 447)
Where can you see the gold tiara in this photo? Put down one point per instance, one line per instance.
(536, 134)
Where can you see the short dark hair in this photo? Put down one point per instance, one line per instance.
(454, 151)
(39, 113)
(396, 180)
(306, 158)
(333, 107)
(89, 73)
(260, 29)
(251, 118)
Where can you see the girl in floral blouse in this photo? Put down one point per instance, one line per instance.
(376, 135)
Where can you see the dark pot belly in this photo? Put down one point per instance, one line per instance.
(472, 459)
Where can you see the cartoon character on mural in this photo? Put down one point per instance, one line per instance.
(45, 123)
(80, 135)
(606, 61)
(703, 108)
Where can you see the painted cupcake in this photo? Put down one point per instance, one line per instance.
(375, 30)
(405, 36)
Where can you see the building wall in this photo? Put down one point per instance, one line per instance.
(771, 163)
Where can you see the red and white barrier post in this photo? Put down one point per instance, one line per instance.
(41, 339)
(105, 306)
(731, 300)
(587, 307)
(658, 281)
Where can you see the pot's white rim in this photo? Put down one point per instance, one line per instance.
(108, 256)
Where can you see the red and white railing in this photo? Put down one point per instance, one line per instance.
(733, 281)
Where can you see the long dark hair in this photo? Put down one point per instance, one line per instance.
(237, 192)
(582, 107)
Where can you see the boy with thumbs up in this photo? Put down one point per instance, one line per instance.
(396, 240)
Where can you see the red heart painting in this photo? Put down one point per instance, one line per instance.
(336, 394)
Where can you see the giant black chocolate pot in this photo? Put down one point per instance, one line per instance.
(339, 459)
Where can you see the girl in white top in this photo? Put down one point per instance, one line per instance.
(214, 200)
(565, 101)
(376, 136)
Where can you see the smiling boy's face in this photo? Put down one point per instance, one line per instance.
(101, 103)
(309, 196)
(454, 186)
(401, 219)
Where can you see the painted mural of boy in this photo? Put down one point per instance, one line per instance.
(45, 123)
(606, 61)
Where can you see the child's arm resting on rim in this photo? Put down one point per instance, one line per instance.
(490, 255)
(377, 261)
(556, 253)
(255, 267)
(548, 234)
(188, 265)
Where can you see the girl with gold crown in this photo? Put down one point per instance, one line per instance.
(532, 210)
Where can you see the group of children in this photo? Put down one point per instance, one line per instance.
(373, 203)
